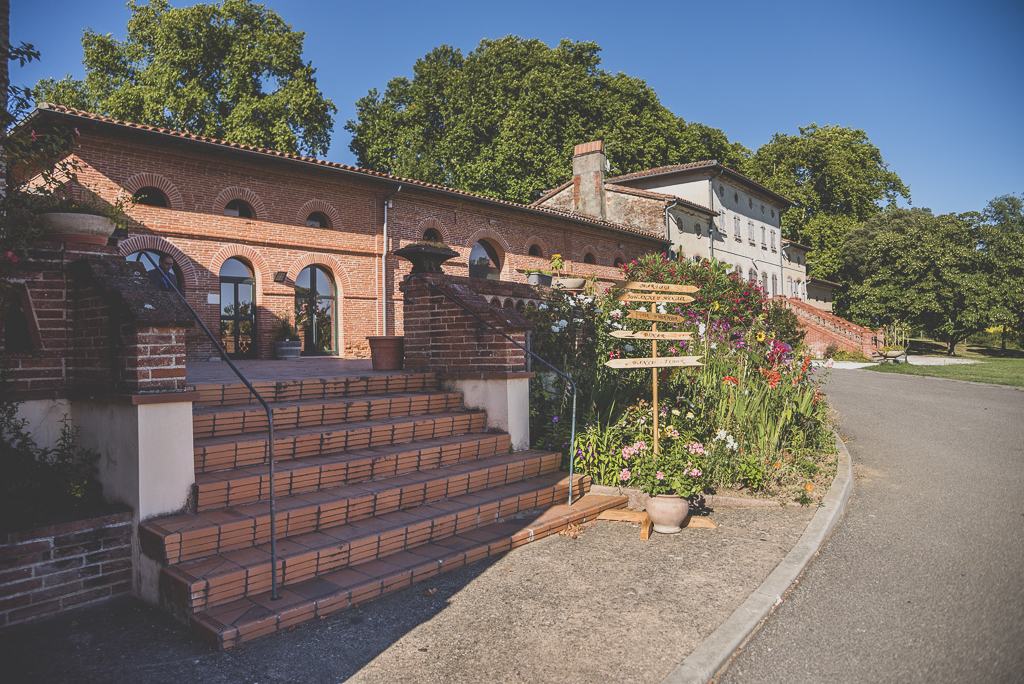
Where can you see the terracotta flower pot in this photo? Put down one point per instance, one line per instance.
(667, 512)
(85, 228)
(387, 352)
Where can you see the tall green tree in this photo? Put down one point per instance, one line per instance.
(503, 120)
(837, 178)
(930, 271)
(1003, 232)
(203, 69)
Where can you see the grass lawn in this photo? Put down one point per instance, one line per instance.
(996, 366)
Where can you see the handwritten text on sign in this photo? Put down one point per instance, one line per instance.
(651, 316)
(651, 297)
(659, 362)
(651, 335)
(656, 287)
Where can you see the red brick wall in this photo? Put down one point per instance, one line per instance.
(199, 179)
(442, 337)
(54, 568)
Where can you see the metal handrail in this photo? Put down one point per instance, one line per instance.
(572, 437)
(266, 407)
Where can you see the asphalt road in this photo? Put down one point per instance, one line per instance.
(923, 579)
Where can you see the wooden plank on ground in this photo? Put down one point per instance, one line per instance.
(626, 515)
(700, 521)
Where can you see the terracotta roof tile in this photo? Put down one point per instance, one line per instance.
(68, 111)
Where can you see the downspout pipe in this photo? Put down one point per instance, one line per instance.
(711, 222)
(668, 227)
(384, 267)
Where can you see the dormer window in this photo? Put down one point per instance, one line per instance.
(151, 197)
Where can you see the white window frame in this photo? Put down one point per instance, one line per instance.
(764, 235)
(736, 233)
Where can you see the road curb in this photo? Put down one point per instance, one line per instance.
(715, 651)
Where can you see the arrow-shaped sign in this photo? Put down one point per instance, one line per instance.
(652, 297)
(650, 335)
(654, 287)
(659, 362)
(651, 316)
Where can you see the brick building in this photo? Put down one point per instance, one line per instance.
(258, 236)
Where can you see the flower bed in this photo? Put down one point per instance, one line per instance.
(749, 418)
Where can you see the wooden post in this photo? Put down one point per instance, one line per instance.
(654, 355)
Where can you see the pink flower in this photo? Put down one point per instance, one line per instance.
(624, 475)
(829, 363)
(660, 475)
(33, 134)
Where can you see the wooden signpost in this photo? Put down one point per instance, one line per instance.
(651, 292)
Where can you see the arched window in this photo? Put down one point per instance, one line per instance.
(484, 262)
(238, 309)
(764, 282)
(536, 251)
(589, 258)
(150, 196)
(775, 284)
(752, 276)
(431, 235)
(619, 263)
(237, 207)
(150, 260)
(697, 229)
(314, 311)
(789, 287)
(317, 219)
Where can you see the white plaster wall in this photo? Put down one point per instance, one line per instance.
(507, 403)
(44, 416)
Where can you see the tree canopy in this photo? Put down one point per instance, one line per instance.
(837, 178)
(1003, 238)
(503, 120)
(930, 271)
(203, 69)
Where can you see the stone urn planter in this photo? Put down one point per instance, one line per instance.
(288, 350)
(85, 228)
(426, 258)
(539, 279)
(571, 283)
(387, 352)
(667, 512)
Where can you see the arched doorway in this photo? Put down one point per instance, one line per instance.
(314, 311)
(484, 262)
(238, 309)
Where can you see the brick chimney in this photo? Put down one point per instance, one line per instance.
(588, 165)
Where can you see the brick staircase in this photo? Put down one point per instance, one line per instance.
(825, 329)
(380, 482)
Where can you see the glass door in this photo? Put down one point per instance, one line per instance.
(314, 311)
(237, 310)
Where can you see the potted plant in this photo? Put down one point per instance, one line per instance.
(387, 352)
(537, 276)
(896, 339)
(557, 263)
(79, 215)
(668, 481)
(426, 257)
(287, 343)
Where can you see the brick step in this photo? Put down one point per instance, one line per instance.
(206, 583)
(186, 537)
(246, 485)
(255, 615)
(219, 421)
(316, 388)
(234, 451)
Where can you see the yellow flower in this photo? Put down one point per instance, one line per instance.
(716, 306)
(760, 337)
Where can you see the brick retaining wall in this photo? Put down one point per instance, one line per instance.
(50, 569)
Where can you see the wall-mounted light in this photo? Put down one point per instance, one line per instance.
(280, 276)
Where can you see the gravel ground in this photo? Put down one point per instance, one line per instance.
(605, 606)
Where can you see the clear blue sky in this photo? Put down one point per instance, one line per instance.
(937, 86)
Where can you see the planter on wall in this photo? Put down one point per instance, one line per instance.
(387, 352)
(571, 283)
(539, 279)
(288, 350)
(425, 258)
(85, 228)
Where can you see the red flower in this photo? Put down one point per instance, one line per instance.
(728, 379)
